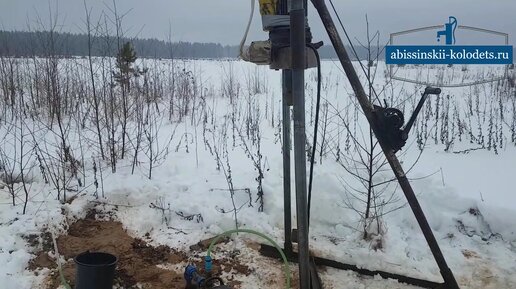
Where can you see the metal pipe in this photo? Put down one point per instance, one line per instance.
(367, 107)
(287, 201)
(412, 120)
(283, 7)
(298, 44)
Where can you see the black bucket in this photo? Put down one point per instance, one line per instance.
(95, 270)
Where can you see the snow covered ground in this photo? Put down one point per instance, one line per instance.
(466, 192)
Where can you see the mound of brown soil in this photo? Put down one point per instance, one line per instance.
(137, 261)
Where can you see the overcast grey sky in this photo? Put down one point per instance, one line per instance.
(224, 20)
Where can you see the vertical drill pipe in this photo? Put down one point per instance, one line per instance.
(367, 107)
(287, 102)
(298, 43)
(283, 7)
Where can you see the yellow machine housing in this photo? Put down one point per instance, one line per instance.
(268, 7)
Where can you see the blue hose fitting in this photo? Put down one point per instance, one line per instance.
(208, 264)
(192, 277)
(189, 272)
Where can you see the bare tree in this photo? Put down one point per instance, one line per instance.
(251, 143)
(96, 100)
(371, 195)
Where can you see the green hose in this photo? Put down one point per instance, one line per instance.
(58, 260)
(63, 280)
(285, 261)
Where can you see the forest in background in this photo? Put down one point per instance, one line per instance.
(44, 43)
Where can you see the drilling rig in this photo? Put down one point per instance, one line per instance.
(291, 50)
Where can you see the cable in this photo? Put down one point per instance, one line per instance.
(355, 52)
(316, 128)
(245, 57)
(62, 278)
(58, 260)
(209, 281)
(282, 254)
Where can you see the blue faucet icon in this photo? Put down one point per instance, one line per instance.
(449, 31)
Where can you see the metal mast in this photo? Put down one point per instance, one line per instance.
(298, 45)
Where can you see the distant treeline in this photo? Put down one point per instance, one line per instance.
(43, 43)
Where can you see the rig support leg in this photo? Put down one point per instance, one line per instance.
(367, 107)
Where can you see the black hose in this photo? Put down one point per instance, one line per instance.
(209, 282)
(316, 127)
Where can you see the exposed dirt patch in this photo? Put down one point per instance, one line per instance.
(42, 260)
(470, 254)
(137, 261)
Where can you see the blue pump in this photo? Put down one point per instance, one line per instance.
(449, 31)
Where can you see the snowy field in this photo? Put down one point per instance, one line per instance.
(208, 131)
